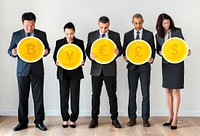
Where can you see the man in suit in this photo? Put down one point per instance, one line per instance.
(139, 71)
(104, 72)
(29, 74)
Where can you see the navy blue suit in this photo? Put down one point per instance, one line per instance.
(139, 71)
(29, 74)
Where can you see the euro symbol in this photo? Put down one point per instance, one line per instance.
(137, 51)
(30, 49)
(102, 50)
(70, 56)
(175, 52)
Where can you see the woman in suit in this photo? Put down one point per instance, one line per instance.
(69, 80)
(173, 74)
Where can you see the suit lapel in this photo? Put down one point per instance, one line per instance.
(22, 33)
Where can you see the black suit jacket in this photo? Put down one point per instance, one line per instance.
(23, 68)
(108, 69)
(160, 41)
(75, 73)
(146, 36)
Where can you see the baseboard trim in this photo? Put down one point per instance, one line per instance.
(103, 113)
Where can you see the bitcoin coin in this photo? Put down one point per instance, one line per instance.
(103, 50)
(70, 56)
(138, 52)
(30, 49)
(175, 50)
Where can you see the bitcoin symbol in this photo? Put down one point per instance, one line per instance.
(137, 51)
(70, 56)
(102, 50)
(30, 49)
(175, 50)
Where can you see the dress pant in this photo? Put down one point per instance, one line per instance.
(110, 83)
(133, 77)
(69, 86)
(37, 92)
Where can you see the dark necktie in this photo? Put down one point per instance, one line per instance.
(138, 36)
(103, 35)
(28, 34)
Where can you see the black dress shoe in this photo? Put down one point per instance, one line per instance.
(64, 126)
(72, 124)
(116, 123)
(20, 126)
(168, 123)
(132, 122)
(146, 123)
(173, 127)
(41, 126)
(93, 124)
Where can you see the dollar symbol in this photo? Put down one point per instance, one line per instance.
(175, 50)
(102, 50)
(30, 49)
(70, 56)
(137, 51)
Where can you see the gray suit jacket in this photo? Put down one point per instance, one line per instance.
(146, 36)
(23, 68)
(160, 41)
(108, 69)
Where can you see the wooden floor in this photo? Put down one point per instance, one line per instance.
(187, 126)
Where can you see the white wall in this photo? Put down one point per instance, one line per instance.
(52, 16)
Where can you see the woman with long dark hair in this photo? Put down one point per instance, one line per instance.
(173, 74)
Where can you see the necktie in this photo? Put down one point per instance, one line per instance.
(103, 35)
(28, 34)
(138, 36)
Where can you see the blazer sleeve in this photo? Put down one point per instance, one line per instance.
(46, 44)
(89, 44)
(83, 50)
(152, 44)
(13, 45)
(119, 46)
(158, 46)
(56, 51)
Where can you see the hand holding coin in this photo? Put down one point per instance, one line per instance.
(57, 63)
(83, 63)
(116, 51)
(125, 58)
(92, 56)
(150, 60)
(46, 52)
(189, 52)
(14, 51)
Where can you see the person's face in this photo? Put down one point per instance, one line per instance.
(29, 25)
(104, 27)
(69, 34)
(166, 24)
(137, 23)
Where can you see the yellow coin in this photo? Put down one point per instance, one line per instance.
(103, 50)
(30, 49)
(175, 50)
(70, 56)
(138, 52)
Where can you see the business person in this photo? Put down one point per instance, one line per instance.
(139, 71)
(69, 80)
(173, 74)
(29, 74)
(104, 72)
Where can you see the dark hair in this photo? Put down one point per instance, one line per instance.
(159, 27)
(69, 25)
(28, 16)
(137, 16)
(104, 19)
